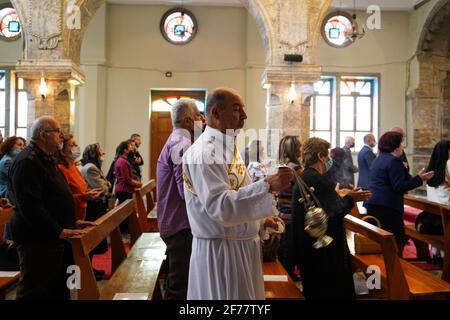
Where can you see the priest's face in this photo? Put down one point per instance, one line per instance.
(232, 116)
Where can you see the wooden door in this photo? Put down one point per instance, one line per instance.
(161, 128)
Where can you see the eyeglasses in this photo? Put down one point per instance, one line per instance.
(58, 130)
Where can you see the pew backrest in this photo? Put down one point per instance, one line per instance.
(145, 198)
(107, 225)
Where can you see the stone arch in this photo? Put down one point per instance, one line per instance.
(437, 16)
(268, 16)
(256, 10)
(431, 99)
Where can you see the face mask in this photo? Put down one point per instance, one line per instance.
(328, 164)
(75, 152)
(15, 152)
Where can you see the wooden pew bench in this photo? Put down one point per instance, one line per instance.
(399, 278)
(6, 282)
(421, 241)
(145, 198)
(279, 290)
(136, 272)
(139, 272)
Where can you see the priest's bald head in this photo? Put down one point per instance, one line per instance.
(225, 110)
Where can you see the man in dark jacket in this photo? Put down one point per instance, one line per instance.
(44, 215)
(365, 159)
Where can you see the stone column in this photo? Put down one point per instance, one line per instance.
(53, 31)
(286, 117)
(61, 78)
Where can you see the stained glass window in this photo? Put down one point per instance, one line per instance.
(10, 27)
(336, 28)
(178, 26)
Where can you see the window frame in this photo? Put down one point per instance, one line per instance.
(16, 109)
(8, 73)
(375, 79)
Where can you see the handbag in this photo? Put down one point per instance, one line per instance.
(363, 245)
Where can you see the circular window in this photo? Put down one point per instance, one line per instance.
(337, 28)
(9, 24)
(178, 26)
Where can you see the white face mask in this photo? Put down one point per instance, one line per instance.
(75, 152)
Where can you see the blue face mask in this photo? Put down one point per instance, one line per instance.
(328, 164)
(15, 152)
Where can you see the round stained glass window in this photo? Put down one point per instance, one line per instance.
(336, 28)
(9, 24)
(178, 26)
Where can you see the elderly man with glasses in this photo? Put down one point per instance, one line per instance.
(44, 215)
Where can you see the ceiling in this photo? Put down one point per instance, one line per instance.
(397, 5)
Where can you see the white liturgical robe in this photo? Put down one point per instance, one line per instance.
(224, 210)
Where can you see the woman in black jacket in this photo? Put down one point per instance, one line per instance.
(326, 272)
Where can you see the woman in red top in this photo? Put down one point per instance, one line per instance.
(69, 153)
(67, 157)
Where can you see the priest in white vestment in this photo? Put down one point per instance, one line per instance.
(225, 208)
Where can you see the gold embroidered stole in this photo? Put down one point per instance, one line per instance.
(237, 174)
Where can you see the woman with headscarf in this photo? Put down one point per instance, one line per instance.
(91, 170)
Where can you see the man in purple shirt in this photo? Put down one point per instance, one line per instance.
(172, 217)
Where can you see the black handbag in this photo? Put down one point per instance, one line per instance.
(429, 223)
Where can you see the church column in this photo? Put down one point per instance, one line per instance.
(61, 80)
(289, 115)
(53, 32)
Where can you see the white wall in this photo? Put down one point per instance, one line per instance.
(137, 56)
(90, 110)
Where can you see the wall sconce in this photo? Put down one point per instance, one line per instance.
(292, 93)
(73, 82)
(43, 88)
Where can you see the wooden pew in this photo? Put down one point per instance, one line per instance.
(401, 279)
(279, 290)
(139, 272)
(145, 198)
(6, 282)
(421, 241)
(124, 268)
